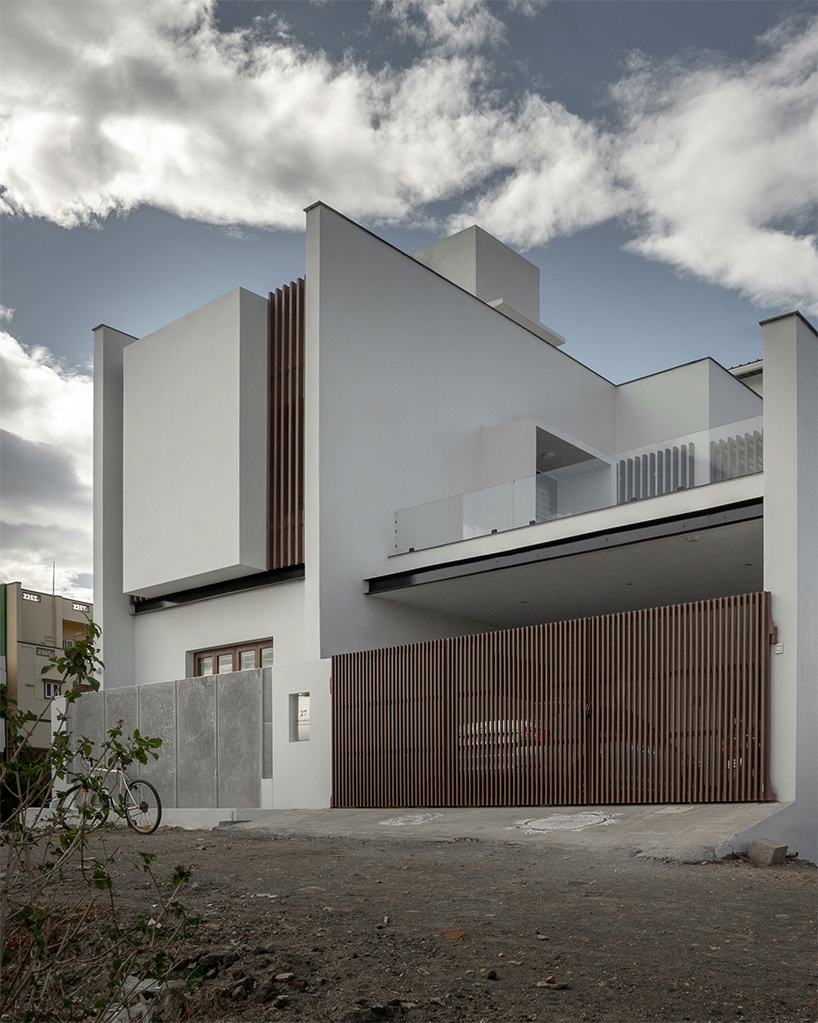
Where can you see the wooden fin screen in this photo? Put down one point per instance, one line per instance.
(664, 705)
(285, 478)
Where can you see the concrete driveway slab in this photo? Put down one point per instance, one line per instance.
(693, 832)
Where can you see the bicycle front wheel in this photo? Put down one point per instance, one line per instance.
(81, 804)
(143, 808)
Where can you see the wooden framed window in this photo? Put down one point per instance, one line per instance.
(257, 653)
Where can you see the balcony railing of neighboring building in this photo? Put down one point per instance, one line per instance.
(681, 463)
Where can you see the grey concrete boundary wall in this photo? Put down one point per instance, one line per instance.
(213, 739)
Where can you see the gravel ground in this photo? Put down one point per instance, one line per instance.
(319, 929)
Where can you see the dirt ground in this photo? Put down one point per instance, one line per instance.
(349, 930)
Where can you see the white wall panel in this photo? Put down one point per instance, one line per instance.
(163, 638)
(410, 370)
(194, 448)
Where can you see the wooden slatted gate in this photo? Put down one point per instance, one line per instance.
(668, 704)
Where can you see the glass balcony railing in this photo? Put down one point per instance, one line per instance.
(680, 463)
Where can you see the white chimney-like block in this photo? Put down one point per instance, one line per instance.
(488, 269)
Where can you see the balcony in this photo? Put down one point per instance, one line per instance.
(650, 472)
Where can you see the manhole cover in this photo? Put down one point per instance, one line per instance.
(564, 822)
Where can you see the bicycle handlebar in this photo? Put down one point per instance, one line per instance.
(92, 766)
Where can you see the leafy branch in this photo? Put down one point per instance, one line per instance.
(65, 952)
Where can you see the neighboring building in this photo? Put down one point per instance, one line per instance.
(398, 453)
(35, 626)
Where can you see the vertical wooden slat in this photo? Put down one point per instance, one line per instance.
(662, 705)
(285, 476)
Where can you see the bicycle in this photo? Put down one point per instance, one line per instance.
(139, 799)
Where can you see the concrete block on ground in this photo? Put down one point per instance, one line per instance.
(765, 852)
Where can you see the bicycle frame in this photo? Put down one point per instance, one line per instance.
(138, 799)
(104, 772)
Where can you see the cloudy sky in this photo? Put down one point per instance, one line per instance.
(657, 160)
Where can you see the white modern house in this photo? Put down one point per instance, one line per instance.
(378, 539)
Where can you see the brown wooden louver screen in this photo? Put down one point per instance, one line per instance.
(669, 704)
(285, 480)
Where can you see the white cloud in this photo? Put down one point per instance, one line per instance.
(719, 158)
(40, 484)
(714, 167)
(112, 105)
(454, 26)
(35, 555)
(43, 402)
(108, 105)
(107, 112)
(561, 177)
(47, 473)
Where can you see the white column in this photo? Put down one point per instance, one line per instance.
(111, 607)
(312, 433)
(791, 563)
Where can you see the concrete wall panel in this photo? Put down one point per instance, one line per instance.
(87, 718)
(663, 406)
(239, 739)
(508, 451)
(731, 401)
(157, 720)
(791, 564)
(111, 609)
(197, 770)
(212, 735)
(122, 705)
(484, 266)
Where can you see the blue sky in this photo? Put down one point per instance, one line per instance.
(656, 160)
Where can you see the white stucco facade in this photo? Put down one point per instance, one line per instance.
(426, 393)
(421, 394)
(406, 382)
